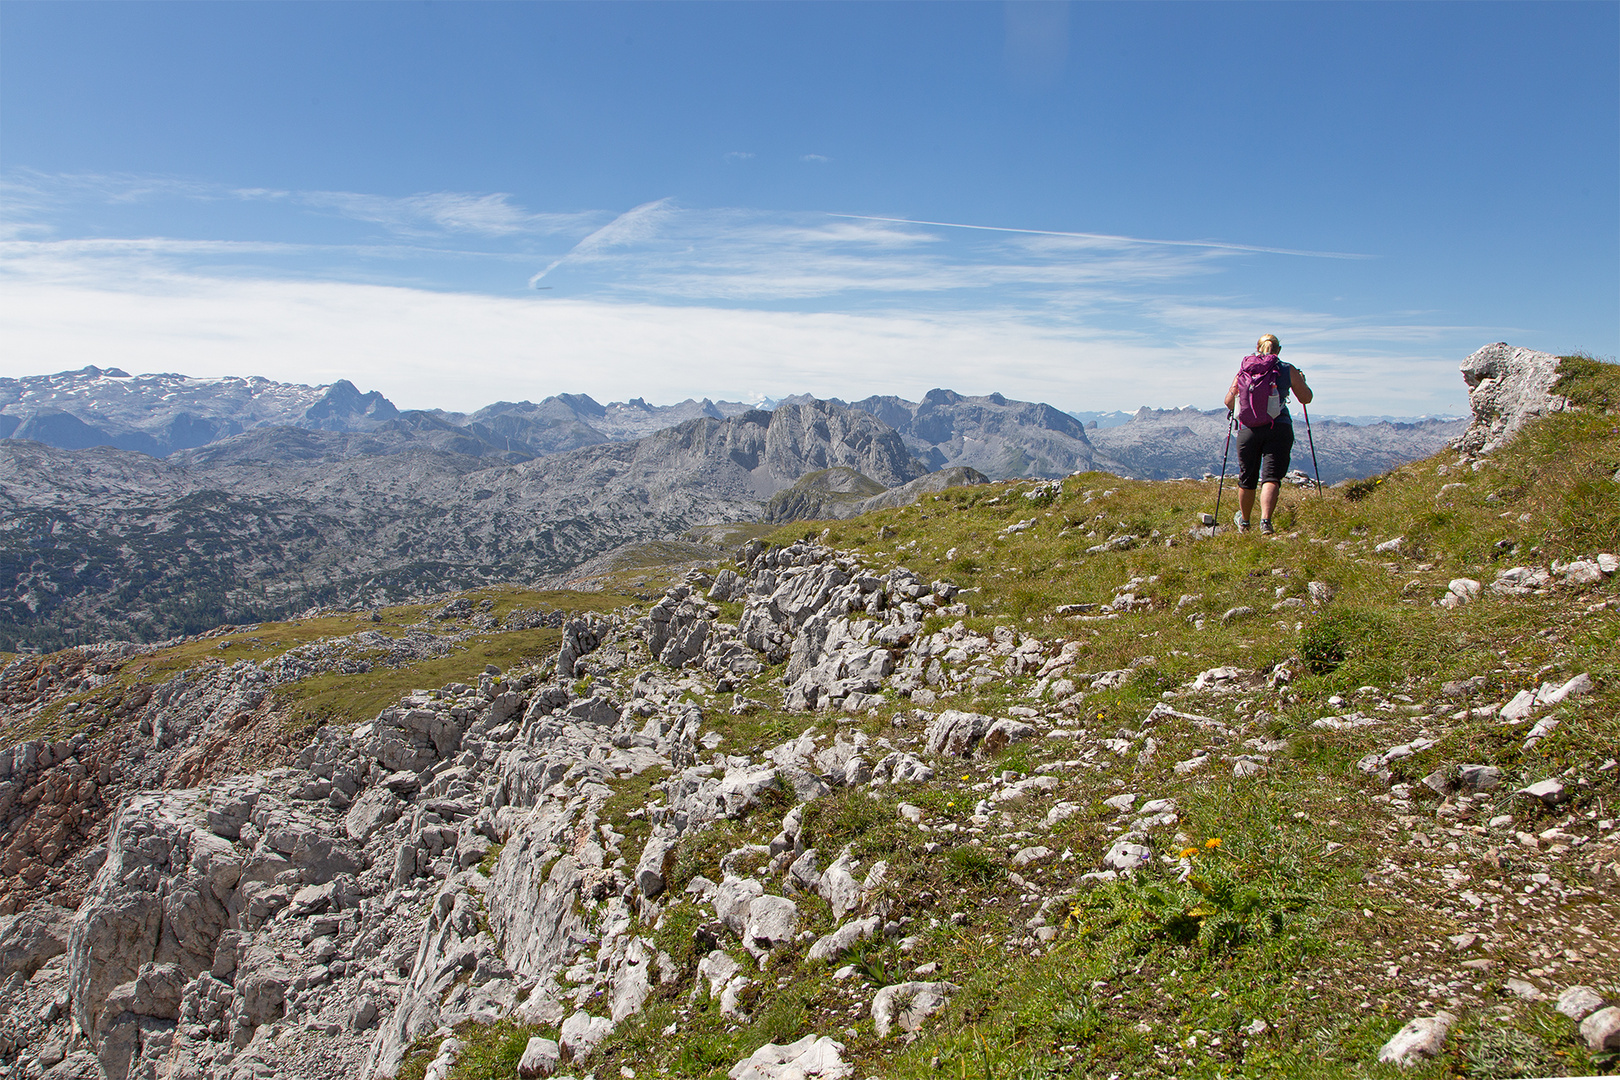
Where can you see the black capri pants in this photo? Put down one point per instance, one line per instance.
(1263, 454)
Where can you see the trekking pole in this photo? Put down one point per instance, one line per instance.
(1230, 424)
(1312, 440)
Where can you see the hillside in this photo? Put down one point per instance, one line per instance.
(992, 434)
(1026, 779)
(107, 543)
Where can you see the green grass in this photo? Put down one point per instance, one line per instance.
(1292, 917)
(336, 697)
(1289, 918)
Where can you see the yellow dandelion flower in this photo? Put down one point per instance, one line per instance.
(1213, 842)
(1188, 852)
(965, 776)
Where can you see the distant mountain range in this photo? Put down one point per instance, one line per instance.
(163, 414)
(1160, 444)
(143, 506)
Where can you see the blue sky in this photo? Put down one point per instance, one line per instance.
(459, 203)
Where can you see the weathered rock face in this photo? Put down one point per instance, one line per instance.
(991, 434)
(29, 939)
(805, 605)
(150, 924)
(827, 493)
(1507, 386)
(906, 494)
(147, 905)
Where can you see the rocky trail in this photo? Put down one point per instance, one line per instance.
(809, 813)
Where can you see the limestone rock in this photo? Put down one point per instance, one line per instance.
(908, 1004)
(956, 733)
(1506, 387)
(1002, 734)
(30, 938)
(1579, 1002)
(831, 946)
(772, 921)
(1549, 792)
(1124, 855)
(654, 865)
(1479, 777)
(540, 1058)
(1601, 1030)
(126, 922)
(809, 1057)
(719, 968)
(581, 1032)
(733, 899)
(838, 886)
(1421, 1038)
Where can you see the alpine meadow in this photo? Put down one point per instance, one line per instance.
(991, 540)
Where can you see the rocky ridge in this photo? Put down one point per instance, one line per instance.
(160, 414)
(625, 832)
(452, 861)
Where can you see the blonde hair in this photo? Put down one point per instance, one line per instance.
(1268, 345)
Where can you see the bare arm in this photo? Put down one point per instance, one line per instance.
(1231, 395)
(1301, 391)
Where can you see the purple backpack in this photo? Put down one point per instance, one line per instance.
(1262, 387)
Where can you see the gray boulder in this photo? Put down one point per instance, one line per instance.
(1421, 1038)
(1601, 1030)
(654, 866)
(148, 904)
(906, 1005)
(1506, 388)
(1579, 1002)
(1002, 734)
(581, 1032)
(30, 938)
(956, 733)
(540, 1058)
(772, 921)
(841, 940)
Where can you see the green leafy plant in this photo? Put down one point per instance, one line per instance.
(1212, 908)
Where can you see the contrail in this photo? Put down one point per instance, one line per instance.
(1116, 239)
(623, 224)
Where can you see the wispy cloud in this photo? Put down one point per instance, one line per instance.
(738, 155)
(29, 193)
(664, 251)
(817, 159)
(443, 211)
(668, 300)
(1219, 245)
(633, 226)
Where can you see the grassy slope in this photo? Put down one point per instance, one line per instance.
(1317, 911)
(337, 697)
(1278, 922)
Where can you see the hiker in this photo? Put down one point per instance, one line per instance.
(1259, 395)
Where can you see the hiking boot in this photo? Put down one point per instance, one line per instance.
(1265, 527)
(1238, 520)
